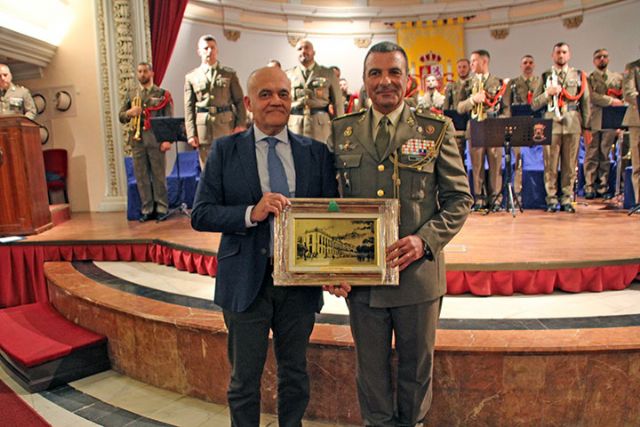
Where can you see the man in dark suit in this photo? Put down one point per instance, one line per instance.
(248, 179)
(394, 152)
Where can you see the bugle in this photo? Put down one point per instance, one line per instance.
(135, 121)
(478, 112)
(554, 104)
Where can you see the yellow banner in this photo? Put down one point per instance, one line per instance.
(433, 47)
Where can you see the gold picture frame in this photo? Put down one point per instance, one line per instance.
(329, 241)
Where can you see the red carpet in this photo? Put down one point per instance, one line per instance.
(15, 412)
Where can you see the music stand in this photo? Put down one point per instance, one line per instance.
(459, 120)
(171, 129)
(525, 110)
(520, 131)
(612, 120)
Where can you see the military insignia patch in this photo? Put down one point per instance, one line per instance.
(411, 121)
(430, 129)
(348, 131)
(347, 146)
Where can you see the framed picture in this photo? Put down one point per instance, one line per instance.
(329, 241)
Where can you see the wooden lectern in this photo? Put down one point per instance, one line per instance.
(24, 204)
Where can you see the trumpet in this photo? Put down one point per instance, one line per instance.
(554, 104)
(135, 121)
(478, 112)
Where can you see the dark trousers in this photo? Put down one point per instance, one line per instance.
(414, 327)
(290, 314)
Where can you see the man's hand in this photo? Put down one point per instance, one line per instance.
(271, 203)
(165, 146)
(615, 102)
(479, 97)
(194, 142)
(341, 290)
(134, 111)
(554, 90)
(405, 251)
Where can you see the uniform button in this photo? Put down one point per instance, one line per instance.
(381, 168)
(380, 193)
(213, 97)
(263, 251)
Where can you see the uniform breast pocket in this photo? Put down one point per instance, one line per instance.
(319, 86)
(348, 166)
(419, 181)
(572, 86)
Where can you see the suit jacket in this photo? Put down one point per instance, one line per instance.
(224, 92)
(17, 100)
(572, 121)
(630, 88)
(598, 87)
(230, 183)
(434, 200)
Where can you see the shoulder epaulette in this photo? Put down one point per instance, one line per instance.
(227, 69)
(430, 115)
(355, 113)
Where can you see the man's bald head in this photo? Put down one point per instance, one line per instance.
(306, 53)
(269, 99)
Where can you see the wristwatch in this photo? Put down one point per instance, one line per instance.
(428, 255)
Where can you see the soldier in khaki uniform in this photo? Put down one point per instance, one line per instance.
(482, 98)
(630, 87)
(432, 99)
(390, 151)
(314, 89)
(14, 99)
(605, 88)
(565, 93)
(452, 93)
(148, 155)
(213, 105)
(520, 91)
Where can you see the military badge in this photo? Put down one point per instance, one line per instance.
(410, 121)
(347, 146)
(430, 130)
(420, 129)
(419, 149)
(348, 131)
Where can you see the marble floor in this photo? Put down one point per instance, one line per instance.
(111, 399)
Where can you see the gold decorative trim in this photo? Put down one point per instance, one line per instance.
(147, 32)
(362, 42)
(125, 62)
(232, 35)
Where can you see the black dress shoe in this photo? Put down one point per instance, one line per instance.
(552, 207)
(147, 217)
(589, 195)
(161, 216)
(478, 206)
(568, 207)
(607, 196)
(497, 207)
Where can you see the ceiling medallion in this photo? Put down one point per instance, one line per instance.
(499, 33)
(572, 21)
(232, 35)
(362, 42)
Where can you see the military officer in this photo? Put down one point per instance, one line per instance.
(383, 152)
(315, 91)
(146, 101)
(483, 99)
(432, 99)
(605, 88)
(14, 99)
(452, 93)
(565, 93)
(213, 105)
(631, 86)
(520, 92)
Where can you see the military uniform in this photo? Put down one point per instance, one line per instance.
(492, 87)
(17, 100)
(630, 88)
(519, 91)
(434, 197)
(213, 105)
(312, 93)
(566, 132)
(149, 162)
(596, 160)
(452, 92)
(431, 99)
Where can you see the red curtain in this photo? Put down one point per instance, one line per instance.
(166, 17)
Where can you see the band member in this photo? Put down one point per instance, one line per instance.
(520, 91)
(376, 152)
(212, 100)
(315, 94)
(143, 102)
(483, 99)
(565, 93)
(605, 88)
(432, 99)
(351, 101)
(631, 86)
(452, 92)
(14, 99)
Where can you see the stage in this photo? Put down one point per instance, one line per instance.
(493, 367)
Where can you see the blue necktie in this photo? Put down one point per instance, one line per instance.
(277, 175)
